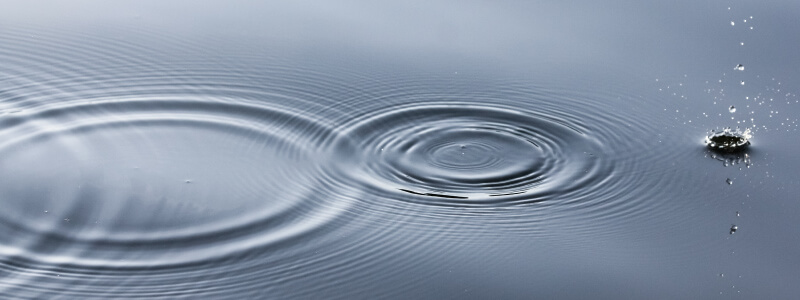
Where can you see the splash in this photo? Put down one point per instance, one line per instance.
(729, 140)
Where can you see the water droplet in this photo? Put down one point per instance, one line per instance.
(729, 181)
(47, 212)
(739, 67)
(742, 83)
(732, 109)
(737, 213)
(188, 181)
(732, 23)
(734, 228)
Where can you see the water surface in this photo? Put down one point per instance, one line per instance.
(418, 150)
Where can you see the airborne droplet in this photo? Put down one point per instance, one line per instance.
(739, 67)
(729, 181)
(732, 109)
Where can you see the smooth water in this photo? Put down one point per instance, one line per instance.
(420, 150)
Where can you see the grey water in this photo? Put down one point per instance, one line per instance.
(398, 150)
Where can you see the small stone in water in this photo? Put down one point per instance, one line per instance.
(729, 181)
(734, 228)
(739, 67)
(732, 109)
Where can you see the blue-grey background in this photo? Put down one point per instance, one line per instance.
(224, 149)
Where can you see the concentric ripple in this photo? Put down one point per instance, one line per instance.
(509, 155)
(107, 172)
(115, 159)
(472, 153)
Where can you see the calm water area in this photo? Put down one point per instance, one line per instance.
(398, 150)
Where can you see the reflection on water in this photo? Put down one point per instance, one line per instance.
(139, 163)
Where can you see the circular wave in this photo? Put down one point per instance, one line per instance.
(135, 175)
(159, 165)
(472, 155)
(121, 154)
(505, 155)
